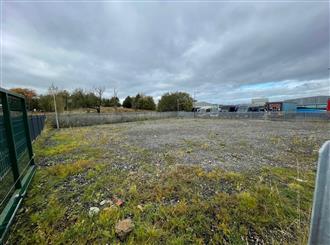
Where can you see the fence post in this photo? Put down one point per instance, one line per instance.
(26, 127)
(11, 142)
(320, 220)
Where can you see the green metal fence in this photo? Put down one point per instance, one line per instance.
(16, 156)
(37, 124)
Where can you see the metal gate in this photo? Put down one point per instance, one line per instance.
(16, 156)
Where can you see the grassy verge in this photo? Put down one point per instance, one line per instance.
(169, 204)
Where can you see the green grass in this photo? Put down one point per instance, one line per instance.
(172, 204)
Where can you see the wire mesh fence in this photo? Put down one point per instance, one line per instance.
(16, 156)
(37, 124)
(273, 116)
(76, 120)
(88, 119)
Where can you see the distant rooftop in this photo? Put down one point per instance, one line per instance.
(203, 103)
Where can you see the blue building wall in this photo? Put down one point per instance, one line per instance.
(291, 107)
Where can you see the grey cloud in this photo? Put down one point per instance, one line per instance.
(155, 47)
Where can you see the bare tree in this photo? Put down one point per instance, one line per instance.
(98, 91)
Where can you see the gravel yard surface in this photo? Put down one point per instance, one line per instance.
(230, 144)
(173, 181)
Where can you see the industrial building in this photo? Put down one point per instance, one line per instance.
(256, 102)
(281, 106)
(307, 104)
(315, 102)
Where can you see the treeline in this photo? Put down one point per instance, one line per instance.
(140, 101)
(79, 98)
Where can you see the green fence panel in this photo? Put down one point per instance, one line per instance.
(16, 157)
(6, 176)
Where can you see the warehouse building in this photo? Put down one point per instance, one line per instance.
(315, 102)
(281, 106)
(259, 102)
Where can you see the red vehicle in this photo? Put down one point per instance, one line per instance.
(328, 105)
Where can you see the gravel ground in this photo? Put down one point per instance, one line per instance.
(231, 144)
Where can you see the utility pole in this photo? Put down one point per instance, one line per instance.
(194, 99)
(53, 89)
(115, 97)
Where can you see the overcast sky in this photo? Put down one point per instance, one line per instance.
(224, 52)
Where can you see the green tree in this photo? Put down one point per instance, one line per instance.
(106, 102)
(175, 101)
(78, 98)
(91, 101)
(60, 102)
(114, 101)
(46, 102)
(135, 101)
(35, 103)
(81, 99)
(127, 103)
(146, 103)
(62, 98)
